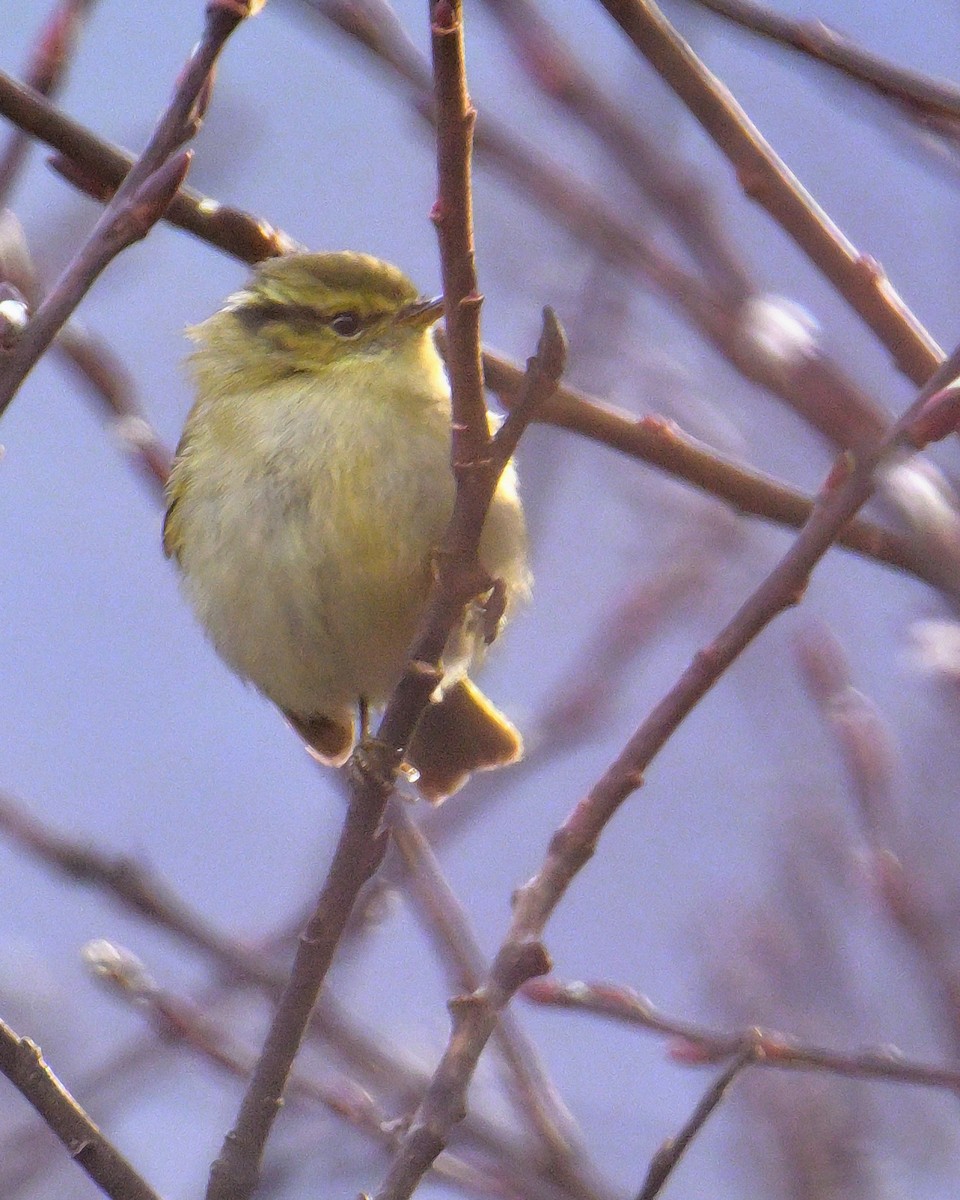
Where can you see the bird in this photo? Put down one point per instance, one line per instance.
(308, 495)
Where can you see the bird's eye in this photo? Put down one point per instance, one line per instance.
(346, 324)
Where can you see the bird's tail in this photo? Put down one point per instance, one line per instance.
(458, 734)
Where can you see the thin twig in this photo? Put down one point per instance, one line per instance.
(22, 1063)
(920, 94)
(139, 201)
(673, 1149)
(662, 444)
(453, 217)
(521, 956)
(45, 73)
(445, 920)
(766, 179)
(697, 1045)
(97, 167)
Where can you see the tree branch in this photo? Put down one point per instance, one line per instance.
(767, 180)
(22, 1063)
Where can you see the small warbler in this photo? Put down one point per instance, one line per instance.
(310, 490)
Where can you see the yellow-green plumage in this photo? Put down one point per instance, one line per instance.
(310, 490)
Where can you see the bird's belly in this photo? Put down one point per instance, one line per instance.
(314, 599)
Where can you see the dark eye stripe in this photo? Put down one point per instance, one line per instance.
(254, 314)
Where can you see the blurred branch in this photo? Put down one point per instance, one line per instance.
(678, 195)
(870, 756)
(142, 892)
(662, 444)
(766, 179)
(522, 955)
(99, 370)
(921, 94)
(45, 73)
(673, 1149)
(698, 1045)
(178, 1021)
(98, 168)
(139, 201)
(22, 1063)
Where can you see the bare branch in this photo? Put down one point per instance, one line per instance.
(521, 956)
(921, 95)
(22, 1063)
(697, 1045)
(140, 200)
(672, 1150)
(766, 179)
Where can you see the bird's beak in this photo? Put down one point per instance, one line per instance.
(421, 313)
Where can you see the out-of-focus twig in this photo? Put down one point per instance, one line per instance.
(680, 199)
(522, 956)
(99, 370)
(766, 179)
(870, 757)
(920, 94)
(673, 1149)
(139, 201)
(22, 1063)
(45, 73)
(697, 1045)
(98, 168)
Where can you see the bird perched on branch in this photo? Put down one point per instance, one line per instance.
(310, 490)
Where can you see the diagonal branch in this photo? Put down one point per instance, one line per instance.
(521, 956)
(140, 200)
(696, 1045)
(673, 1149)
(22, 1063)
(767, 180)
(920, 94)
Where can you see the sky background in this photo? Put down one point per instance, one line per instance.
(123, 728)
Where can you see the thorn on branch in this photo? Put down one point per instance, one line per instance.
(939, 417)
(540, 381)
(152, 198)
(528, 960)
